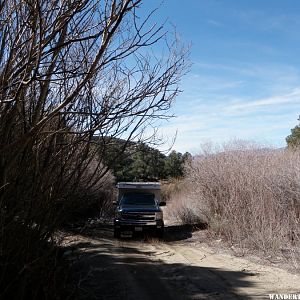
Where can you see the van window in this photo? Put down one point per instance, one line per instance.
(138, 199)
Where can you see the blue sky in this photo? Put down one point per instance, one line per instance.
(245, 77)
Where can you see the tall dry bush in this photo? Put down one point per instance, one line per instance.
(70, 70)
(91, 197)
(41, 201)
(248, 194)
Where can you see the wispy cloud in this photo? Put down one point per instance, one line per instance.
(266, 71)
(214, 23)
(245, 81)
(222, 105)
(214, 82)
(292, 97)
(263, 20)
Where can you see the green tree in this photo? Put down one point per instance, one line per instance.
(186, 157)
(293, 140)
(138, 162)
(148, 164)
(174, 164)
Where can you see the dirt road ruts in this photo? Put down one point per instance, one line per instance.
(145, 268)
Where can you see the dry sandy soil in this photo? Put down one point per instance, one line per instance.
(180, 267)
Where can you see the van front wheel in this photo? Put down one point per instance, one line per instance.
(160, 233)
(117, 233)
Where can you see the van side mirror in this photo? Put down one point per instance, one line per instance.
(162, 203)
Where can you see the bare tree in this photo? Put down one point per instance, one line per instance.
(78, 68)
(70, 71)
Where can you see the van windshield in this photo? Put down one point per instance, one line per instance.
(138, 199)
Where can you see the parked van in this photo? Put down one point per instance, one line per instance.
(138, 209)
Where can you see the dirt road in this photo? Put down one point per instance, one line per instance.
(177, 268)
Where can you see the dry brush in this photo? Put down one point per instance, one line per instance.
(69, 70)
(249, 195)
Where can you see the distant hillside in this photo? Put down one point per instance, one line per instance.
(133, 161)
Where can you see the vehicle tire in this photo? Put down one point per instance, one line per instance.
(117, 233)
(160, 233)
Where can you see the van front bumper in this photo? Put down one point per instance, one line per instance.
(133, 224)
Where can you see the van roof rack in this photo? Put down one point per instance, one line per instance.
(138, 185)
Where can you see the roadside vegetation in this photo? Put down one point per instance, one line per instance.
(70, 71)
(77, 76)
(293, 140)
(248, 195)
(141, 162)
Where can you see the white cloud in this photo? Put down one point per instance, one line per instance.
(220, 117)
(266, 72)
(214, 23)
(291, 97)
(246, 101)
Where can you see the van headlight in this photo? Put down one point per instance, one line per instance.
(159, 215)
(118, 215)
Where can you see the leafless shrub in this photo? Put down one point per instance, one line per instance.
(169, 188)
(70, 71)
(180, 206)
(91, 199)
(248, 194)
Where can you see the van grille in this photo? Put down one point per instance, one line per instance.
(139, 216)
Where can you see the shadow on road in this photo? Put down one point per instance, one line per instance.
(181, 232)
(109, 269)
(172, 233)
